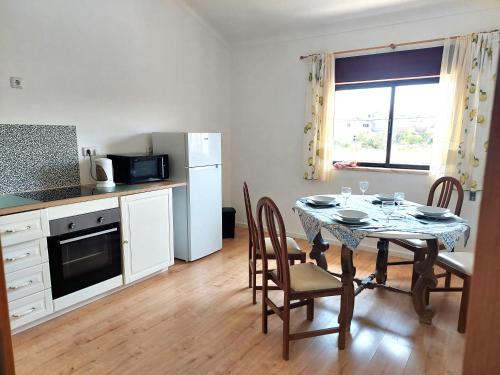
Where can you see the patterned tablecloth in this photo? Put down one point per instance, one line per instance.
(313, 219)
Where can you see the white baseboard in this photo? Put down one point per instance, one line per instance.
(394, 250)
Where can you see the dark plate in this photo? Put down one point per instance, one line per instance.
(445, 217)
(312, 204)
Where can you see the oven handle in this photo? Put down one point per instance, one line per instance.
(88, 236)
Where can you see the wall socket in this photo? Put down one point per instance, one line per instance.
(16, 82)
(85, 151)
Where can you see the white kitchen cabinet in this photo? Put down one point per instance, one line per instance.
(23, 227)
(28, 309)
(27, 281)
(24, 255)
(147, 235)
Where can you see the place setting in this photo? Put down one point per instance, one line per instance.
(432, 214)
(320, 201)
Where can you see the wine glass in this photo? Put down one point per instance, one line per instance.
(388, 208)
(363, 186)
(399, 198)
(346, 193)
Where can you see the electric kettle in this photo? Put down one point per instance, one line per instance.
(104, 173)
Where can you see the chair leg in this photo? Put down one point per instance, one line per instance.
(254, 281)
(292, 262)
(249, 274)
(427, 296)
(249, 267)
(447, 279)
(342, 319)
(303, 259)
(264, 304)
(310, 309)
(286, 327)
(464, 305)
(418, 256)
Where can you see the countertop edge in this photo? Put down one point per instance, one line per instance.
(144, 188)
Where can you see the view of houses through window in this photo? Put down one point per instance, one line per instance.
(366, 116)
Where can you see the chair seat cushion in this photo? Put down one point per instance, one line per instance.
(292, 246)
(419, 244)
(307, 277)
(462, 261)
(415, 243)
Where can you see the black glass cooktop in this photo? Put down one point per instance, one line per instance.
(60, 193)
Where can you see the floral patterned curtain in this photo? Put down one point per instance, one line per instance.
(318, 128)
(478, 107)
(467, 84)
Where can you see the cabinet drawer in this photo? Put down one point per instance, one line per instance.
(27, 281)
(30, 308)
(24, 255)
(23, 227)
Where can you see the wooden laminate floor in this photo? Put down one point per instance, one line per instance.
(198, 318)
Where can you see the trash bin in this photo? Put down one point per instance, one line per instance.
(228, 214)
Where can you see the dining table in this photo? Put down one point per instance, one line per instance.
(404, 223)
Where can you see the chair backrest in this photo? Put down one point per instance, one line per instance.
(277, 235)
(447, 184)
(252, 227)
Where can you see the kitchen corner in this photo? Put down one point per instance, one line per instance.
(66, 244)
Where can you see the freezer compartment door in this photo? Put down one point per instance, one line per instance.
(203, 149)
(205, 210)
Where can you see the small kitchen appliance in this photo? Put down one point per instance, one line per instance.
(135, 168)
(104, 173)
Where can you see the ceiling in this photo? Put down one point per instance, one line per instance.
(240, 21)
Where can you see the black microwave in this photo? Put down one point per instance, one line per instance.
(134, 168)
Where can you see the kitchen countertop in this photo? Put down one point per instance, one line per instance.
(12, 204)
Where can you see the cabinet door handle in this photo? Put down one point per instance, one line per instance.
(27, 227)
(13, 259)
(24, 313)
(20, 286)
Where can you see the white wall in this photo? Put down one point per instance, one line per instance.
(267, 114)
(117, 69)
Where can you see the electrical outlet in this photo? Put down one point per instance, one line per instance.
(16, 82)
(86, 150)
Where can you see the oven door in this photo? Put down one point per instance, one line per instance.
(147, 169)
(84, 258)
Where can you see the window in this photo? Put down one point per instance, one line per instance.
(386, 108)
(386, 124)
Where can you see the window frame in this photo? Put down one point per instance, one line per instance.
(392, 84)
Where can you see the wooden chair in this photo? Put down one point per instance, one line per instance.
(254, 254)
(419, 247)
(460, 264)
(301, 282)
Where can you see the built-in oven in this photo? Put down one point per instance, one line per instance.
(84, 256)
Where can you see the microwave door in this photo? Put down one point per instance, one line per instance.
(145, 169)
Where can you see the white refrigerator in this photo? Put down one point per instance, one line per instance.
(197, 208)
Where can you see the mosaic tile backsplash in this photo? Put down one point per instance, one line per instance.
(37, 157)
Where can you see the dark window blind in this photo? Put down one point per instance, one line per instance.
(389, 66)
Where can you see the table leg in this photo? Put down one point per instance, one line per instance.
(348, 273)
(318, 249)
(426, 279)
(381, 266)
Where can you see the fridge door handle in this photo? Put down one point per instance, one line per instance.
(205, 167)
